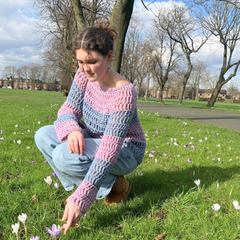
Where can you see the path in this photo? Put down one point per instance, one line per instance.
(223, 119)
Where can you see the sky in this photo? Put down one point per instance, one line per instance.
(18, 42)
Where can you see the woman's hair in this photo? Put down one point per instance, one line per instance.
(99, 38)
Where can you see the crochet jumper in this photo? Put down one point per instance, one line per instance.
(109, 114)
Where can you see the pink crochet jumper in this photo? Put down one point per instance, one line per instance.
(110, 114)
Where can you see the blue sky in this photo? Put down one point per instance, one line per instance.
(18, 43)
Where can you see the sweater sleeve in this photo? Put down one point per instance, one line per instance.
(71, 111)
(109, 149)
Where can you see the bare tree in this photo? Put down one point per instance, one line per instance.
(185, 30)
(209, 80)
(233, 88)
(10, 72)
(223, 21)
(235, 3)
(60, 21)
(197, 75)
(165, 56)
(131, 54)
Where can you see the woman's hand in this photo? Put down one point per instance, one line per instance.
(72, 214)
(76, 142)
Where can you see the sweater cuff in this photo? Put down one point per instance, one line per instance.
(84, 196)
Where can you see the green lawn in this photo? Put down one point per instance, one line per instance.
(165, 203)
(218, 106)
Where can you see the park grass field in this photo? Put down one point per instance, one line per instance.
(218, 106)
(165, 203)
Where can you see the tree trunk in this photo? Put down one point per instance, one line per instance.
(93, 12)
(160, 93)
(215, 93)
(182, 89)
(146, 92)
(120, 19)
(77, 8)
(138, 89)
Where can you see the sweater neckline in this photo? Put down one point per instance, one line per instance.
(106, 89)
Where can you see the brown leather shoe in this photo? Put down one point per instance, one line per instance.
(119, 192)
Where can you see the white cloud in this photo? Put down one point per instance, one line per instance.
(18, 43)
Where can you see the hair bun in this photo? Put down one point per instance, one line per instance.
(105, 26)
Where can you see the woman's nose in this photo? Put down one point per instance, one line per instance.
(86, 67)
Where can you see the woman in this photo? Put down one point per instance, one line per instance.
(113, 143)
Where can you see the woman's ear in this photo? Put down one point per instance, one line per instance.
(109, 56)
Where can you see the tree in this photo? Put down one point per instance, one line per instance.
(223, 21)
(185, 30)
(232, 89)
(197, 76)
(235, 3)
(9, 72)
(120, 18)
(165, 58)
(210, 80)
(131, 53)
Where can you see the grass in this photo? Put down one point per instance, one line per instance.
(218, 106)
(164, 203)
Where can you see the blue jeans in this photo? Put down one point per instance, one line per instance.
(71, 168)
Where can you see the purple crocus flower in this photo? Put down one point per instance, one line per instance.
(1, 131)
(32, 162)
(54, 174)
(168, 143)
(55, 230)
(1, 138)
(213, 159)
(156, 132)
(189, 160)
(192, 147)
(152, 152)
(186, 145)
(164, 129)
(34, 238)
(45, 161)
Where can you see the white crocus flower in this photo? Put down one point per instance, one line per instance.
(216, 207)
(48, 180)
(197, 182)
(15, 228)
(56, 185)
(19, 142)
(236, 205)
(23, 217)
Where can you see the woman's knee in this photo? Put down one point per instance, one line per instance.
(44, 135)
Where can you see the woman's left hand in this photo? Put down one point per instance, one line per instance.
(72, 214)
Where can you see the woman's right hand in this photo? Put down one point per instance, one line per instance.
(76, 142)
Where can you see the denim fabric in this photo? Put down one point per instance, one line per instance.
(71, 168)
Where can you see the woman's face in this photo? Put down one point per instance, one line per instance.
(93, 64)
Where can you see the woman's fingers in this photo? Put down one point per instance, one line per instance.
(76, 142)
(72, 215)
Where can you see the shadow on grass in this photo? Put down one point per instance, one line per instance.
(153, 188)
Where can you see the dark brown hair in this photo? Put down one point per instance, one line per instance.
(99, 38)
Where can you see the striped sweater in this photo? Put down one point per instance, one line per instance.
(109, 114)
